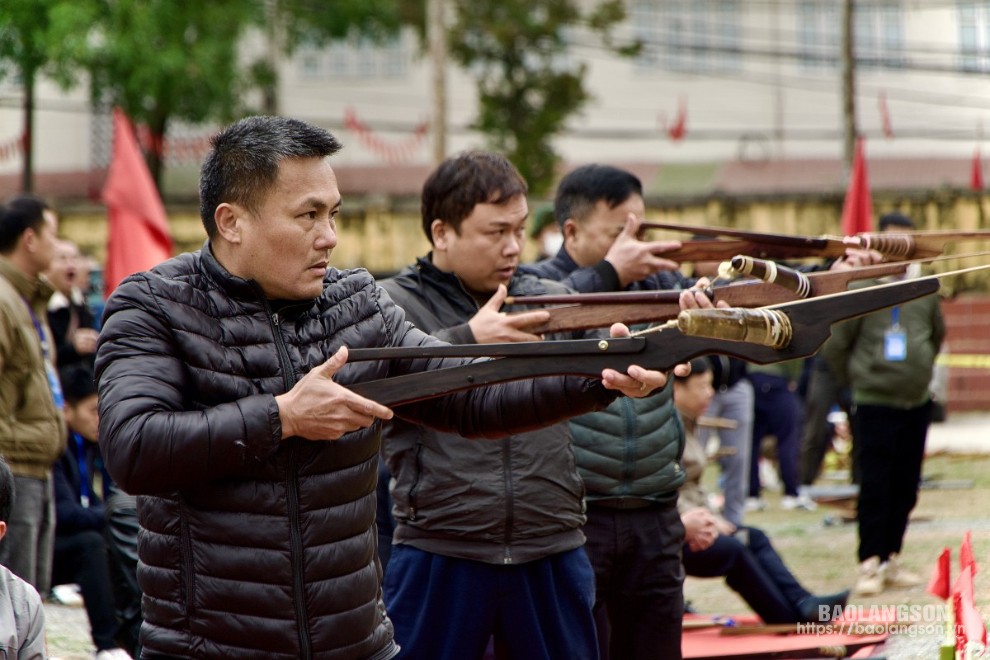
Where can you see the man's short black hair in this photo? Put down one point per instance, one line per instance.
(17, 215)
(896, 220)
(6, 490)
(581, 189)
(78, 382)
(463, 181)
(244, 163)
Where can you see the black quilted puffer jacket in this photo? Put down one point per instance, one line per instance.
(252, 547)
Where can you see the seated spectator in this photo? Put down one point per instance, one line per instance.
(80, 554)
(22, 616)
(715, 547)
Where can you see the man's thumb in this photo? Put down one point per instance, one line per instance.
(632, 225)
(333, 365)
(495, 302)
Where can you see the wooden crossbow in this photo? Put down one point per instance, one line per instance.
(773, 284)
(893, 245)
(762, 335)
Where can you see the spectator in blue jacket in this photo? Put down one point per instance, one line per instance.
(81, 487)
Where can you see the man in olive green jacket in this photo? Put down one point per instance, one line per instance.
(32, 432)
(886, 358)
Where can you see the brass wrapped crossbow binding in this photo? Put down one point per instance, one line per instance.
(761, 335)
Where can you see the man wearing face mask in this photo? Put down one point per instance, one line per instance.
(545, 232)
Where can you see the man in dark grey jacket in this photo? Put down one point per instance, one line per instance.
(224, 405)
(488, 534)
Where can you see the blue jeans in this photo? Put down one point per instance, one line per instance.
(754, 570)
(778, 413)
(445, 608)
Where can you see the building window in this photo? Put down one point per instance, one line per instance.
(691, 36)
(974, 36)
(878, 32)
(355, 57)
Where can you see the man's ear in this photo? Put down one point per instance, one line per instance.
(229, 219)
(570, 229)
(3, 529)
(440, 231)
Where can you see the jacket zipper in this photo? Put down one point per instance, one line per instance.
(509, 498)
(292, 491)
(414, 488)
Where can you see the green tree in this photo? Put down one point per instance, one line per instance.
(528, 87)
(32, 38)
(166, 60)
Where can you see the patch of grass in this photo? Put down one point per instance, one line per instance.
(824, 558)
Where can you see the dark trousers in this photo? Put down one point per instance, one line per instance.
(777, 412)
(824, 391)
(754, 570)
(82, 559)
(448, 609)
(639, 579)
(892, 449)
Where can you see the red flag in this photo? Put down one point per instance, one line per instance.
(678, 129)
(938, 585)
(966, 557)
(138, 236)
(969, 623)
(857, 212)
(976, 172)
(888, 128)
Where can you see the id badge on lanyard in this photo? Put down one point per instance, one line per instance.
(895, 339)
(46, 353)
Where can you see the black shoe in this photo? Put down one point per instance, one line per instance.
(809, 607)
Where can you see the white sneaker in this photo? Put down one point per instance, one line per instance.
(66, 594)
(801, 502)
(755, 504)
(113, 654)
(898, 577)
(870, 581)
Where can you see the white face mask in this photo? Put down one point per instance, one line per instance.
(552, 243)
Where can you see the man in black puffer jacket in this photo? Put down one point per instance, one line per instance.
(224, 406)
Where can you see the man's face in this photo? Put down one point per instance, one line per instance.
(285, 245)
(42, 242)
(62, 273)
(588, 241)
(693, 394)
(83, 417)
(486, 251)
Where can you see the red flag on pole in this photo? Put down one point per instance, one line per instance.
(678, 129)
(888, 127)
(938, 585)
(966, 557)
(976, 172)
(857, 212)
(138, 236)
(969, 623)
